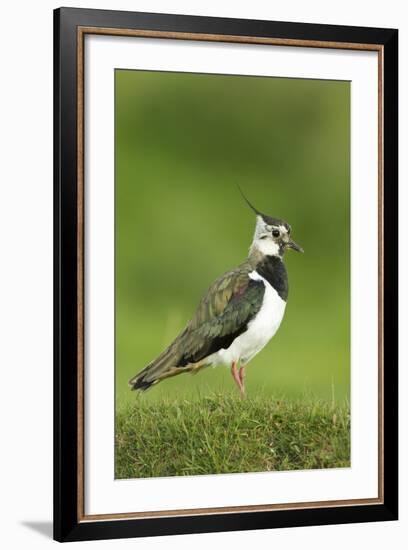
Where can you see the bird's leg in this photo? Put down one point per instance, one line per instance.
(235, 375)
(241, 376)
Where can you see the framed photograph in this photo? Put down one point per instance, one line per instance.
(225, 274)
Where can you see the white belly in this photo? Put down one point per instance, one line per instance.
(259, 331)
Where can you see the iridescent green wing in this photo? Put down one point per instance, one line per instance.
(223, 314)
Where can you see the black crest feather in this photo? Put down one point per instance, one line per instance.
(251, 206)
(267, 219)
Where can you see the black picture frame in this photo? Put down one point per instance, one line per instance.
(67, 523)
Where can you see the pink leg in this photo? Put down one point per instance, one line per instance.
(242, 380)
(235, 375)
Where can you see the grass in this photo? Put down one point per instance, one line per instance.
(222, 434)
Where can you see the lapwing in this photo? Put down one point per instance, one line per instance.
(239, 314)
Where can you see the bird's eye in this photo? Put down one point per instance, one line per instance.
(276, 233)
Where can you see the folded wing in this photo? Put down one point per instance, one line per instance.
(222, 315)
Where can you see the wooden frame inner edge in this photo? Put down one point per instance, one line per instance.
(380, 293)
(81, 32)
(80, 277)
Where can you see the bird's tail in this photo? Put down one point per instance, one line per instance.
(162, 367)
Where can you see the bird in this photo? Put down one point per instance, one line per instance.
(237, 316)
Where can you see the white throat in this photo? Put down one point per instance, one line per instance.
(267, 247)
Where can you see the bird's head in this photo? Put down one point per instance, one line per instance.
(272, 236)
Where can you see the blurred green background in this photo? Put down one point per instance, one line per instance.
(183, 142)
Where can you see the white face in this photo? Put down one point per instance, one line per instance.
(267, 238)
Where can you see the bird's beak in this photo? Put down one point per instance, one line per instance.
(292, 244)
